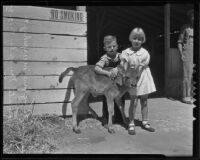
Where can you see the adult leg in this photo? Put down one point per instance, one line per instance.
(187, 81)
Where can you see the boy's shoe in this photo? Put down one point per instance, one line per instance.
(148, 127)
(131, 129)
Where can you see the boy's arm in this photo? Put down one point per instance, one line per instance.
(100, 70)
(100, 65)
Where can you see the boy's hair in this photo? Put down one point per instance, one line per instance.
(137, 32)
(108, 39)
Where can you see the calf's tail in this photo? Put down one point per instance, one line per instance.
(63, 74)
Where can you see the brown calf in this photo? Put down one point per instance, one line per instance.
(87, 82)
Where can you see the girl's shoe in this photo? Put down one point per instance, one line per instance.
(148, 127)
(131, 129)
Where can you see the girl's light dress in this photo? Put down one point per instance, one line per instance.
(137, 58)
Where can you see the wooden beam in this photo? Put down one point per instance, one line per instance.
(42, 13)
(44, 27)
(166, 43)
(15, 39)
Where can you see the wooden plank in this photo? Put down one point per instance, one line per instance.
(37, 96)
(34, 26)
(42, 13)
(56, 108)
(44, 54)
(34, 82)
(36, 68)
(43, 40)
(46, 98)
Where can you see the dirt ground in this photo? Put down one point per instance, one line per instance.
(173, 137)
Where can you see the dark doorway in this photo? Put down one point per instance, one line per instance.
(119, 21)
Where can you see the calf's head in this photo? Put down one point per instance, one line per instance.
(131, 77)
(128, 78)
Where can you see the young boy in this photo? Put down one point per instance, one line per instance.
(109, 59)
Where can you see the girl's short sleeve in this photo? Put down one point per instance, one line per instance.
(144, 61)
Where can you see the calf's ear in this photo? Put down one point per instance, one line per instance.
(120, 69)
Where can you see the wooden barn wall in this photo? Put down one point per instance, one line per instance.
(38, 44)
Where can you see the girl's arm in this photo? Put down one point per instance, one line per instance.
(145, 60)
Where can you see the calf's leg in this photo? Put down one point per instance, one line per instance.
(120, 104)
(75, 104)
(110, 103)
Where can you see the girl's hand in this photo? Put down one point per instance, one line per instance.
(140, 70)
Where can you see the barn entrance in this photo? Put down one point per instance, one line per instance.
(120, 20)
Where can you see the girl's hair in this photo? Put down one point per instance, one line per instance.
(137, 32)
(108, 39)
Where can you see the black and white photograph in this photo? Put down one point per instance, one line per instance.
(103, 79)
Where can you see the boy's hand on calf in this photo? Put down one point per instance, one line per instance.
(113, 73)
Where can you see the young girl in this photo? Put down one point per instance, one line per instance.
(138, 57)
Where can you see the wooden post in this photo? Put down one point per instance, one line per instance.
(167, 43)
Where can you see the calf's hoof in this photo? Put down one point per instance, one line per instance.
(131, 132)
(131, 129)
(76, 130)
(111, 130)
